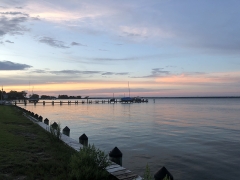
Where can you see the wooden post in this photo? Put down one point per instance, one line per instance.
(25, 102)
(44, 103)
(53, 103)
(83, 139)
(46, 121)
(116, 156)
(54, 125)
(35, 103)
(162, 173)
(36, 116)
(60, 102)
(66, 131)
(40, 118)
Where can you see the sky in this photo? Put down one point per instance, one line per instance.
(163, 48)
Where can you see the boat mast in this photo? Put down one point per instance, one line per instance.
(2, 94)
(128, 89)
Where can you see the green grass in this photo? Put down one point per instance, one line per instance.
(27, 151)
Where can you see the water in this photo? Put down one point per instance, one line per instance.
(194, 138)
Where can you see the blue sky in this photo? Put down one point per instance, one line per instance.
(161, 47)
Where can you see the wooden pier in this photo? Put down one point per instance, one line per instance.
(88, 101)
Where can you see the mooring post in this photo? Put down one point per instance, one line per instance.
(83, 139)
(66, 131)
(53, 103)
(44, 103)
(60, 102)
(35, 103)
(46, 121)
(54, 125)
(40, 118)
(162, 174)
(36, 116)
(116, 156)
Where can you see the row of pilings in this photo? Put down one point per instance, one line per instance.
(115, 155)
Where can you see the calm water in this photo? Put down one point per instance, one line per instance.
(193, 138)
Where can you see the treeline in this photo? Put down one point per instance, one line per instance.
(19, 95)
(68, 97)
(12, 95)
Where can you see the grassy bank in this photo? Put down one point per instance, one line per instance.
(28, 152)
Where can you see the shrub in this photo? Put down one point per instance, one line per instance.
(147, 174)
(89, 163)
(55, 131)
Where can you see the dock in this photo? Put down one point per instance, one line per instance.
(88, 101)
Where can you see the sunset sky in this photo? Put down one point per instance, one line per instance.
(95, 47)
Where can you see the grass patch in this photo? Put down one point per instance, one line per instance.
(28, 151)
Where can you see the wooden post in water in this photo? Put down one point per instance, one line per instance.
(66, 131)
(60, 102)
(46, 121)
(44, 103)
(53, 103)
(35, 103)
(83, 139)
(163, 173)
(116, 156)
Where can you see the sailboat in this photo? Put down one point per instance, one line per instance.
(34, 98)
(112, 99)
(127, 99)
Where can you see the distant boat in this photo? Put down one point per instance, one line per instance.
(127, 99)
(112, 99)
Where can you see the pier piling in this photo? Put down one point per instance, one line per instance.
(83, 139)
(116, 156)
(40, 118)
(66, 131)
(54, 125)
(46, 121)
(162, 174)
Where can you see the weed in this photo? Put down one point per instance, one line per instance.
(89, 163)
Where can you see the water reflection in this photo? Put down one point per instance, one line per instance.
(193, 138)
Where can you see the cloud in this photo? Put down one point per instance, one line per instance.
(74, 72)
(12, 26)
(14, 13)
(8, 65)
(102, 50)
(9, 41)
(77, 44)
(78, 72)
(156, 72)
(52, 42)
(112, 73)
